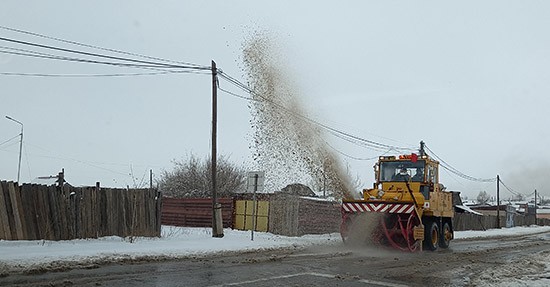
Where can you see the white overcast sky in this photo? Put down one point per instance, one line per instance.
(470, 78)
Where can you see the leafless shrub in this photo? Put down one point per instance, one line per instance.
(192, 177)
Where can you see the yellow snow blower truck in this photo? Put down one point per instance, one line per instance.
(408, 207)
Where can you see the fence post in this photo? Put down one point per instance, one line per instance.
(16, 207)
(4, 219)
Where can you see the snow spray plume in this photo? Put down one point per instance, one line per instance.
(286, 145)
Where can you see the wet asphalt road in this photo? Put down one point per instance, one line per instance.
(460, 265)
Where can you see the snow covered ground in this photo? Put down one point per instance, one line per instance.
(177, 242)
(174, 242)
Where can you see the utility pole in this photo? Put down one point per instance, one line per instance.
(324, 185)
(535, 207)
(498, 201)
(61, 178)
(150, 179)
(254, 202)
(217, 227)
(20, 146)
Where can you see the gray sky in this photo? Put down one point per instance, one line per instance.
(470, 79)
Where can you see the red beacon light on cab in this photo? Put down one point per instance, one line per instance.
(413, 157)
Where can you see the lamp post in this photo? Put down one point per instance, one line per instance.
(20, 145)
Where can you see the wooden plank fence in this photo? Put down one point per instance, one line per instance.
(469, 221)
(31, 212)
(194, 212)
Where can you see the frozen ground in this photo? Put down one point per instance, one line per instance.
(178, 242)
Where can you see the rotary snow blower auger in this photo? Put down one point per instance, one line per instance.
(414, 211)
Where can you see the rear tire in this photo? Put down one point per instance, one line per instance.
(446, 235)
(431, 237)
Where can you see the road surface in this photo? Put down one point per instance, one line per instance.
(477, 262)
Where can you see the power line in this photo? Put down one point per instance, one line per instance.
(532, 193)
(455, 171)
(235, 95)
(510, 189)
(94, 75)
(339, 133)
(353, 157)
(6, 141)
(155, 64)
(96, 47)
(451, 175)
(83, 162)
(31, 53)
(335, 132)
(27, 158)
(70, 59)
(73, 159)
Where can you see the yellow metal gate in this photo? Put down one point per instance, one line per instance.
(244, 215)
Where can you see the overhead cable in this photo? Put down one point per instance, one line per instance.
(70, 59)
(341, 134)
(7, 141)
(353, 157)
(509, 189)
(96, 47)
(455, 171)
(156, 64)
(94, 75)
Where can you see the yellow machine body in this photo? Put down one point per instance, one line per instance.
(423, 190)
(417, 210)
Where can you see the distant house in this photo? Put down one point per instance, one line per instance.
(489, 209)
(543, 212)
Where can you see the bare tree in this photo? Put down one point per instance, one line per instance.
(519, 197)
(192, 178)
(483, 197)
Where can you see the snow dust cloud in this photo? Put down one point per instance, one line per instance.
(288, 146)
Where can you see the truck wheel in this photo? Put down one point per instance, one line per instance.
(446, 235)
(431, 240)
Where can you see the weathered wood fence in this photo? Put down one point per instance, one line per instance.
(31, 212)
(194, 212)
(469, 221)
(295, 216)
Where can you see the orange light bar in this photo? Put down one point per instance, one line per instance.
(408, 156)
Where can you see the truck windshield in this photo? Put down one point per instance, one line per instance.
(402, 171)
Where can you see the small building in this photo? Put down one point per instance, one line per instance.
(543, 212)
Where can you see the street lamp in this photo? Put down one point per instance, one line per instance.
(20, 145)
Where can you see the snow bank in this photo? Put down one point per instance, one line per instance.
(520, 230)
(176, 242)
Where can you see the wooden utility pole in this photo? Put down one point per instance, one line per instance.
(498, 201)
(217, 227)
(535, 207)
(150, 179)
(254, 207)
